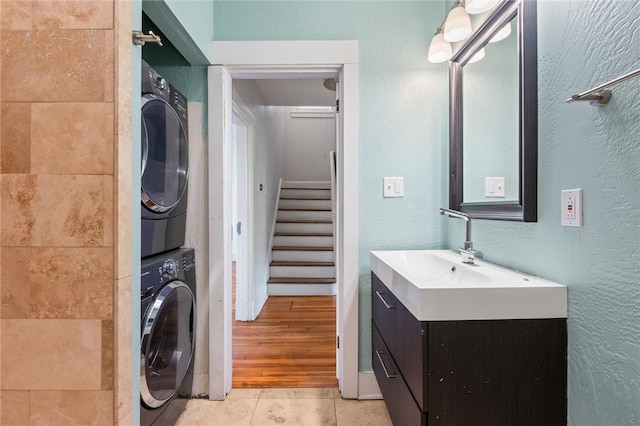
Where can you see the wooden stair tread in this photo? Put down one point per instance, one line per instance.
(303, 234)
(306, 188)
(302, 248)
(307, 199)
(300, 263)
(303, 210)
(304, 221)
(301, 281)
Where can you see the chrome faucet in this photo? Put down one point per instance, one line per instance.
(468, 253)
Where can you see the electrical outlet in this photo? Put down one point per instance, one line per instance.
(571, 207)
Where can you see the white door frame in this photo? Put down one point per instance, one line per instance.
(259, 59)
(244, 140)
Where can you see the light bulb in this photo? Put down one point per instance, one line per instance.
(439, 49)
(479, 6)
(477, 57)
(502, 34)
(458, 25)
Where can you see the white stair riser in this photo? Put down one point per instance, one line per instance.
(303, 241)
(302, 256)
(305, 193)
(302, 289)
(292, 215)
(302, 271)
(305, 204)
(304, 228)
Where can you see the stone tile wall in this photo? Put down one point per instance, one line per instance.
(65, 178)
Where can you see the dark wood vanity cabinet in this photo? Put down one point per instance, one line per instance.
(469, 372)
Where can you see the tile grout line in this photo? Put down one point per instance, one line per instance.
(255, 407)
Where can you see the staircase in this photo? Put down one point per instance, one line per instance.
(303, 254)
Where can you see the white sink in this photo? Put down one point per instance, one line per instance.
(436, 286)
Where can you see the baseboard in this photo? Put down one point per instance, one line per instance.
(368, 386)
(302, 289)
(200, 387)
(258, 306)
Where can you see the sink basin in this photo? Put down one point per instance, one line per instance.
(435, 285)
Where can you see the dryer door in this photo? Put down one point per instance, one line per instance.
(165, 155)
(168, 341)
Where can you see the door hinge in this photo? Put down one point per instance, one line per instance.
(337, 105)
(338, 342)
(239, 228)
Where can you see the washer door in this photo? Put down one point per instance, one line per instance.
(165, 155)
(168, 341)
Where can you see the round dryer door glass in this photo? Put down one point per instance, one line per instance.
(165, 155)
(168, 339)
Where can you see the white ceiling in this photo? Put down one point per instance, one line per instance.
(296, 92)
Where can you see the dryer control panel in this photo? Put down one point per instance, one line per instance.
(163, 268)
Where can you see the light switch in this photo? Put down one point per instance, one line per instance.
(393, 187)
(494, 187)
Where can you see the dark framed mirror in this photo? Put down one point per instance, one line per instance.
(514, 120)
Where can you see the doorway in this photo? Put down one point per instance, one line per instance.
(242, 151)
(257, 60)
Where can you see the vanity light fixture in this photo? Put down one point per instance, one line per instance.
(477, 57)
(457, 27)
(479, 6)
(502, 34)
(439, 49)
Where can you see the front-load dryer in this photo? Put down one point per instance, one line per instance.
(165, 164)
(168, 293)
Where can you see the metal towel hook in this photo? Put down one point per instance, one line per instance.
(139, 38)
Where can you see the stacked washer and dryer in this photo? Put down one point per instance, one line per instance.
(168, 275)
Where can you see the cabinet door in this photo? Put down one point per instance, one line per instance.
(506, 372)
(405, 336)
(401, 406)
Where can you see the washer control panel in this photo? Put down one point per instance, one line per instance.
(162, 269)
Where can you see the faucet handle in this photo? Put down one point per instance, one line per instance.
(468, 255)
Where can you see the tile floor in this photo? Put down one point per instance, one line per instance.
(249, 407)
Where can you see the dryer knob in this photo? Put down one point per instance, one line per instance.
(170, 268)
(161, 83)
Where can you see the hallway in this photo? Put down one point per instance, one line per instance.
(292, 344)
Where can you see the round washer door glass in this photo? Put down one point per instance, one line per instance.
(168, 339)
(165, 155)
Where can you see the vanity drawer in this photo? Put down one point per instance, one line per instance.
(401, 406)
(405, 336)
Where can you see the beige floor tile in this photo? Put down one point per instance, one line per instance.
(352, 412)
(232, 412)
(298, 393)
(244, 394)
(294, 412)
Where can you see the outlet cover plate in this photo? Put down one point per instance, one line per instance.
(571, 207)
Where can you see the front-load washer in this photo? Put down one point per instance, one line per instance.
(164, 166)
(168, 293)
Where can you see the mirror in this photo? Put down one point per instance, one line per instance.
(493, 119)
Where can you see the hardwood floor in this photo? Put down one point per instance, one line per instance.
(292, 344)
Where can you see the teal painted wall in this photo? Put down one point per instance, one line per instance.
(403, 108)
(403, 132)
(597, 149)
(195, 16)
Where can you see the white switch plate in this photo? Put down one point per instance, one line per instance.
(393, 187)
(494, 187)
(571, 207)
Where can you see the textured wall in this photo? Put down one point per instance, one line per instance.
(597, 149)
(403, 104)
